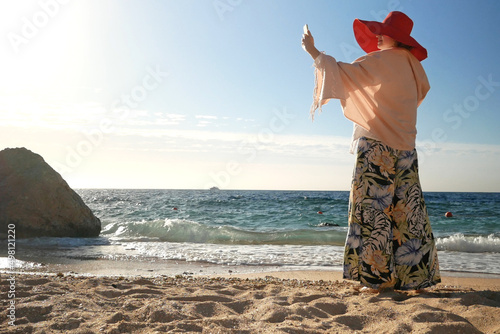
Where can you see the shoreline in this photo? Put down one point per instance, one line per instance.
(160, 267)
(108, 269)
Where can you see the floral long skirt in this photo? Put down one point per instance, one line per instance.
(390, 241)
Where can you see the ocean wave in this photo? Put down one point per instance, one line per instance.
(182, 230)
(262, 255)
(469, 244)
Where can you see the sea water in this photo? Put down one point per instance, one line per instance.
(284, 229)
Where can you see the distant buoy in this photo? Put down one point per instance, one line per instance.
(448, 214)
(320, 212)
(174, 209)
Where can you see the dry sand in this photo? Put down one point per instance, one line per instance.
(281, 302)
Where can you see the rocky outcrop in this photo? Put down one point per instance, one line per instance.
(35, 198)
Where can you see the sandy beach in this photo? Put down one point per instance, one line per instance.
(278, 302)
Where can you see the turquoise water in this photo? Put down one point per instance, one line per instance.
(298, 229)
(225, 217)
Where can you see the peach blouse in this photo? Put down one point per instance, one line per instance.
(379, 92)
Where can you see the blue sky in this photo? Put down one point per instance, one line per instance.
(192, 93)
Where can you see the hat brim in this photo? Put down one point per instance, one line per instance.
(366, 33)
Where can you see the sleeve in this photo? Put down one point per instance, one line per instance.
(362, 81)
(423, 85)
(383, 89)
(365, 71)
(328, 84)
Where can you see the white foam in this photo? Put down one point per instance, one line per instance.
(281, 255)
(292, 256)
(469, 244)
(469, 262)
(6, 263)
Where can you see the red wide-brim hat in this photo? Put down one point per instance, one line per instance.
(396, 25)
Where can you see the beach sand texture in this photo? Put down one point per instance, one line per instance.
(267, 303)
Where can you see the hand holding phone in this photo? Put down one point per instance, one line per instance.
(308, 43)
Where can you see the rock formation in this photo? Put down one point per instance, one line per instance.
(36, 199)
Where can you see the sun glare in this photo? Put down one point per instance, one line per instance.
(46, 46)
(43, 62)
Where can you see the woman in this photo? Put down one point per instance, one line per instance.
(390, 242)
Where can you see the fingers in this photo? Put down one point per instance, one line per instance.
(304, 41)
(307, 43)
(307, 38)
